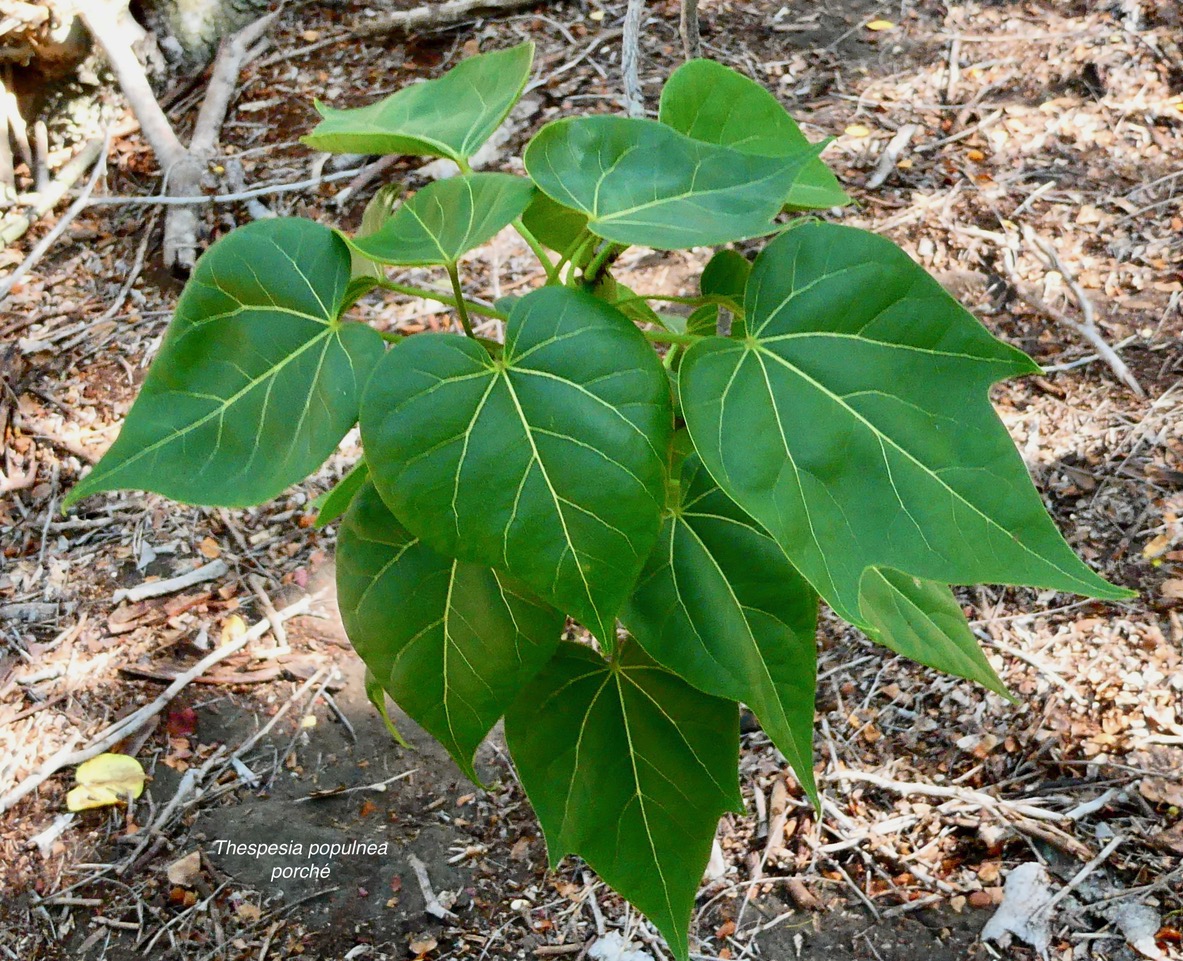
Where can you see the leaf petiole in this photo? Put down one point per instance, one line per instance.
(552, 272)
(459, 302)
(669, 337)
(440, 297)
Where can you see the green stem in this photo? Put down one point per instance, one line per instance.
(576, 252)
(391, 336)
(599, 263)
(669, 337)
(484, 310)
(461, 307)
(552, 272)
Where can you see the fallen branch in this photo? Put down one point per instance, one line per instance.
(435, 16)
(183, 166)
(116, 732)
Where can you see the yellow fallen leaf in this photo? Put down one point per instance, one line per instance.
(233, 628)
(105, 780)
(880, 25)
(857, 130)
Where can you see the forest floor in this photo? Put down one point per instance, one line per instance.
(1064, 119)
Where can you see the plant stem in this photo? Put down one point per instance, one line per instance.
(391, 336)
(461, 306)
(440, 298)
(669, 337)
(552, 272)
(573, 254)
(604, 256)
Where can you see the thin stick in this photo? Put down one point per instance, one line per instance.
(1086, 327)
(64, 221)
(978, 798)
(166, 201)
(116, 732)
(431, 903)
(207, 572)
(1079, 877)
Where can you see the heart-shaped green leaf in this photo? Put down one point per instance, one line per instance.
(257, 380)
(446, 219)
(713, 103)
(642, 182)
(452, 642)
(628, 767)
(922, 620)
(720, 605)
(867, 387)
(547, 463)
(450, 116)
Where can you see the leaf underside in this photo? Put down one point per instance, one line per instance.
(450, 116)
(712, 103)
(256, 381)
(867, 385)
(548, 463)
(641, 182)
(450, 641)
(720, 605)
(334, 503)
(630, 768)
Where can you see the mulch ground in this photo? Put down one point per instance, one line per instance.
(1029, 154)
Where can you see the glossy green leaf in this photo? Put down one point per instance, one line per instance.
(867, 388)
(378, 211)
(257, 380)
(450, 116)
(554, 225)
(713, 103)
(922, 620)
(335, 502)
(720, 605)
(628, 767)
(446, 219)
(451, 642)
(547, 463)
(726, 275)
(641, 182)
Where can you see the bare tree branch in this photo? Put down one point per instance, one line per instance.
(630, 53)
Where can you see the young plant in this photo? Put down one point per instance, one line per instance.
(838, 441)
